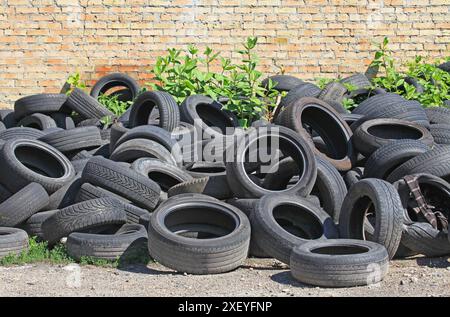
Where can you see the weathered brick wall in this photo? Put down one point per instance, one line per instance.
(42, 41)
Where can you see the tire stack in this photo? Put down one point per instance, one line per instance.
(331, 200)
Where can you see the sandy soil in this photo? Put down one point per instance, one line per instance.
(259, 277)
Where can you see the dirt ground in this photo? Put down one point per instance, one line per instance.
(259, 277)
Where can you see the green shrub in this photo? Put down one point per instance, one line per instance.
(184, 73)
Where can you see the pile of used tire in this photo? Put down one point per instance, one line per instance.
(341, 195)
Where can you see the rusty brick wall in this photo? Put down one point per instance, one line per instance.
(43, 41)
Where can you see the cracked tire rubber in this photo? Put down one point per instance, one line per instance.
(373, 134)
(42, 103)
(88, 216)
(290, 142)
(87, 106)
(114, 80)
(435, 161)
(380, 201)
(72, 140)
(38, 121)
(281, 222)
(27, 161)
(22, 205)
(330, 188)
(12, 241)
(122, 181)
(134, 149)
(390, 156)
(169, 113)
(199, 235)
(330, 126)
(339, 263)
(128, 240)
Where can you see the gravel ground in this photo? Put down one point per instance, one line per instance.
(259, 277)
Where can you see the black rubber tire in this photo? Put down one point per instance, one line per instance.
(122, 181)
(63, 120)
(208, 114)
(7, 117)
(378, 101)
(373, 134)
(79, 165)
(438, 115)
(134, 213)
(87, 106)
(415, 83)
(282, 82)
(21, 133)
(441, 133)
(22, 205)
(38, 121)
(87, 216)
(226, 251)
(422, 238)
(76, 139)
(277, 239)
(164, 174)
(4, 193)
(407, 110)
(33, 225)
(358, 80)
(339, 263)
(153, 133)
(390, 156)
(334, 91)
(206, 169)
(134, 149)
(129, 240)
(115, 80)
(418, 235)
(294, 146)
(90, 122)
(214, 186)
(435, 161)
(353, 176)
(65, 196)
(387, 207)
(28, 161)
(169, 113)
(13, 241)
(445, 67)
(330, 126)
(42, 103)
(247, 206)
(300, 91)
(351, 118)
(117, 130)
(330, 188)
